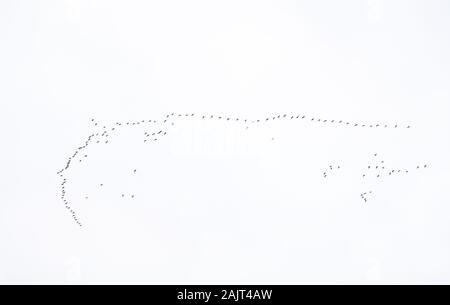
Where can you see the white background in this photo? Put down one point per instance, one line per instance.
(257, 210)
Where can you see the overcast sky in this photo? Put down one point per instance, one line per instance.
(219, 203)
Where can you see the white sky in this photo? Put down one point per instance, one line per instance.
(216, 203)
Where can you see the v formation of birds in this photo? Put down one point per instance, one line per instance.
(377, 169)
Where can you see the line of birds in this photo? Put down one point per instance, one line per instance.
(382, 171)
(103, 136)
(66, 202)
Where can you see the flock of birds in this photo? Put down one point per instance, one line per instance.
(377, 169)
(329, 169)
(159, 129)
(364, 196)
